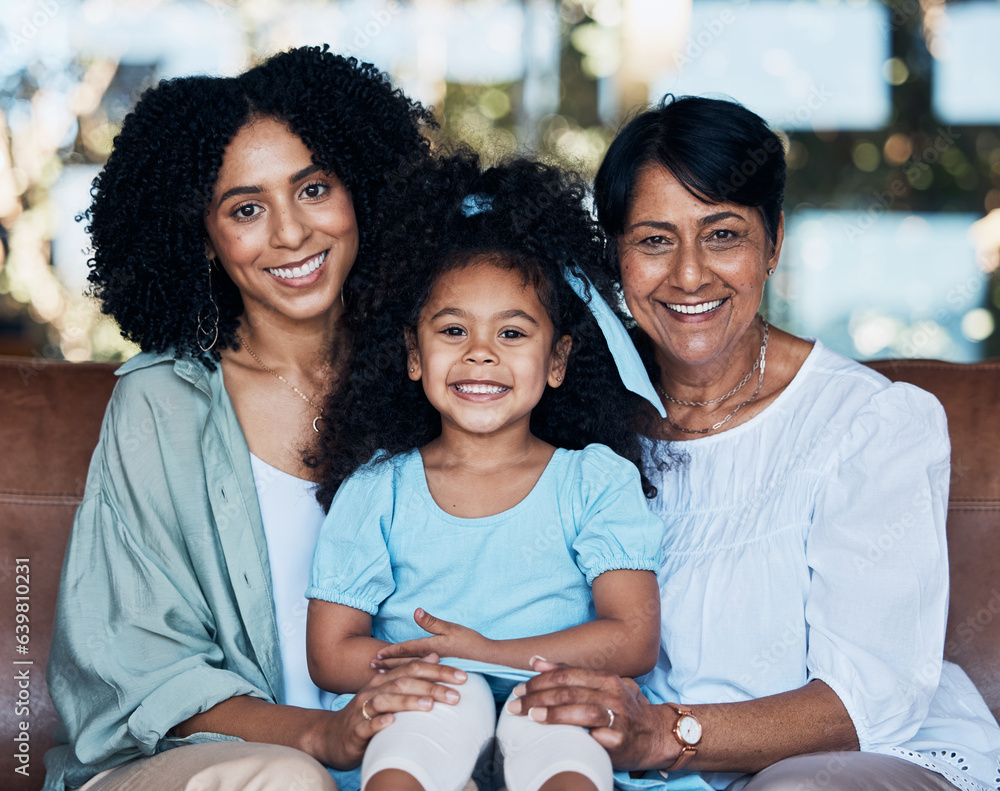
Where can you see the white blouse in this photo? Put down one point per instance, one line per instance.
(809, 543)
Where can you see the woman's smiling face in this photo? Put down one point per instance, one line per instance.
(692, 272)
(284, 230)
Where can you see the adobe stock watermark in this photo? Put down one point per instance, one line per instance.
(817, 98)
(381, 18)
(710, 31)
(38, 362)
(825, 774)
(899, 14)
(600, 655)
(23, 665)
(960, 298)
(791, 641)
(220, 7)
(755, 159)
(882, 544)
(758, 157)
(883, 200)
(973, 625)
(32, 23)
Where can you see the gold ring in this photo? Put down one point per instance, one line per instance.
(611, 714)
(364, 711)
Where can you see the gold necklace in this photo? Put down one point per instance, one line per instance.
(761, 362)
(282, 379)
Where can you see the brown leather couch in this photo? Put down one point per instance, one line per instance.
(50, 415)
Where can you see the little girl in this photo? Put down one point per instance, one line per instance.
(488, 515)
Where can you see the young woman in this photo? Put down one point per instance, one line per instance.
(232, 231)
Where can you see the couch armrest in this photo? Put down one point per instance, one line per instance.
(970, 394)
(51, 416)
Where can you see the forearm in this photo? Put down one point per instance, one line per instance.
(623, 639)
(608, 644)
(335, 738)
(749, 735)
(344, 666)
(316, 732)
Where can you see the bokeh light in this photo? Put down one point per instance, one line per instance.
(898, 148)
(895, 71)
(978, 324)
(866, 157)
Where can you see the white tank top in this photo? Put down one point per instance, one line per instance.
(292, 519)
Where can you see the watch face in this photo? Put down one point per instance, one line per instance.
(689, 729)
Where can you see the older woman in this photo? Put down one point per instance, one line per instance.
(788, 645)
(232, 230)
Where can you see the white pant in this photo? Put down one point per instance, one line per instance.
(439, 748)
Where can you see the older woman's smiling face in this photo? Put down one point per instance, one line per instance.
(693, 272)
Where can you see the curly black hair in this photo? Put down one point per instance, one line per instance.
(149, 267)
(532, 219)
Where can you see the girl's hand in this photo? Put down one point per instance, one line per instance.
(448, 639)
(575, 696)
(416, 686)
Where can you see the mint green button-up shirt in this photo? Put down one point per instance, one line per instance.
(165, 605)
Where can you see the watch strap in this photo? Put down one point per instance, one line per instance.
(687, 753)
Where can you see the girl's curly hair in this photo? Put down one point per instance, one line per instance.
(146, 220)
(532, 219)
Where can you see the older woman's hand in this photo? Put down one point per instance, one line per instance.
(575, 696)
(415, 686)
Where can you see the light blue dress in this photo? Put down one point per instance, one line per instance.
(387, 548)
(809, 543)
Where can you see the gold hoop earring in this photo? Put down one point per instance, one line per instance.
(208, 326)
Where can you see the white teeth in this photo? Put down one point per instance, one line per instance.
(481, 389)
(307, 268)
(702, 307)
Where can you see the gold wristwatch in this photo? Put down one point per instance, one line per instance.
(687, 731)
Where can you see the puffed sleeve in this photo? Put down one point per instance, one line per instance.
(617, 528)
(136, 646)
(351, 565)
(878, 591)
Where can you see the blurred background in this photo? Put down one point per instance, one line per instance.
(889, 110)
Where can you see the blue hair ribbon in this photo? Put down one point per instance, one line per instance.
(476, 203)
(630, 368)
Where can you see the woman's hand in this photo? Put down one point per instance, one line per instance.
(414, 686)
(638, 738)
(743, 737)
(447, 639)
(335, 738)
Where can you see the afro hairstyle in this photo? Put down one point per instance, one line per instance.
(149, 268)
(525, 217)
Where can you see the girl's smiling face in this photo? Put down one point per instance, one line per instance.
(483, 349)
